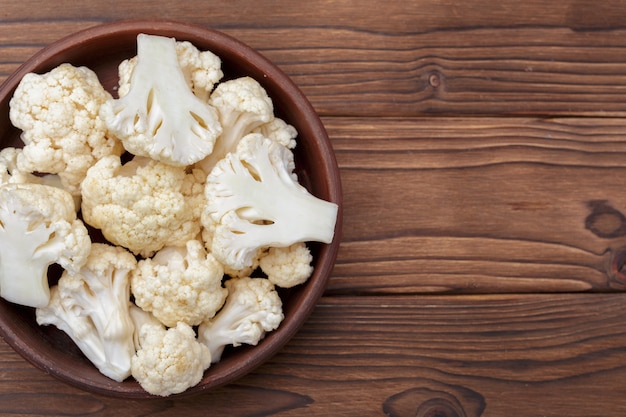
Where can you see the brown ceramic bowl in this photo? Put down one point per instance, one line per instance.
(102, 48)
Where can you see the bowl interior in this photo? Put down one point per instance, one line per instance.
(102, 48)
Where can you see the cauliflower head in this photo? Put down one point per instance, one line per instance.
(144, 204)
(252, 308)
(38, 227)
(288, 266)
(169, 360)
(160, 117)
(180, 284)
(58, 113)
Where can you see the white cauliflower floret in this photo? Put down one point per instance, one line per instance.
(280, 131)
(62, 131)
(202, 70)
(256, 202)
(10, 173)
(141, 318)
(143, 205)
(248, 270)
(169, 361)
(252, 308)
(180, 284)
(93, 307)
(160, 117)
(243, 105)
(38, 227)
(289, 266)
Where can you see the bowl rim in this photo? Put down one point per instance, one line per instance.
(14, 335)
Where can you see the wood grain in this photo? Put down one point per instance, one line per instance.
(489, 355)
(482, 153)
(480, 204)
(427, 57)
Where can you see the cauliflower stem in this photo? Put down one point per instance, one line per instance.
(160, 117)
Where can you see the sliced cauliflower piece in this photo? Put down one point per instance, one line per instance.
(288, 266)
(38, 227)
(93, 307)
(252, 308)
(255, 200)
(58, 113)
(143, 205)
(169, 361)
(180, 284)
(202, 70)
(159, 116)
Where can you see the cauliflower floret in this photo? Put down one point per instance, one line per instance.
(38, 227)
(169, 360)
(10, 173)
(289, 266)
(143, 205)
(141, 318)
(160, 117)
(93, 307)
(252, 308)
(248, 270)
(243, 105)
(62, 132)
(256, 202)
(202, 70)
(180, 284)
(279, 131)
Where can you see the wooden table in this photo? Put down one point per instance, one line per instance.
(482, 148)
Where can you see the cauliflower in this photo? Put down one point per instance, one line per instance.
(179, 284)
(160, 117)
(141, 318)
(10, 173)
(92, 307)
(143, 205)
(62, 132)
(256, 201)
(289, 266)
(206, 196)
(38, 227)
(169, 360)
(280, 131)
(202, 70)
(252, 308)
(243, 105)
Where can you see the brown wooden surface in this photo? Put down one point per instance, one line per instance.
(482, 148)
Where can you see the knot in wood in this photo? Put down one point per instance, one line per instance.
(439, 407)
(617, 268)
(434, 79)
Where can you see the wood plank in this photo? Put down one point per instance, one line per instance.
(429, 57)
(492, 355)
(480, 204)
